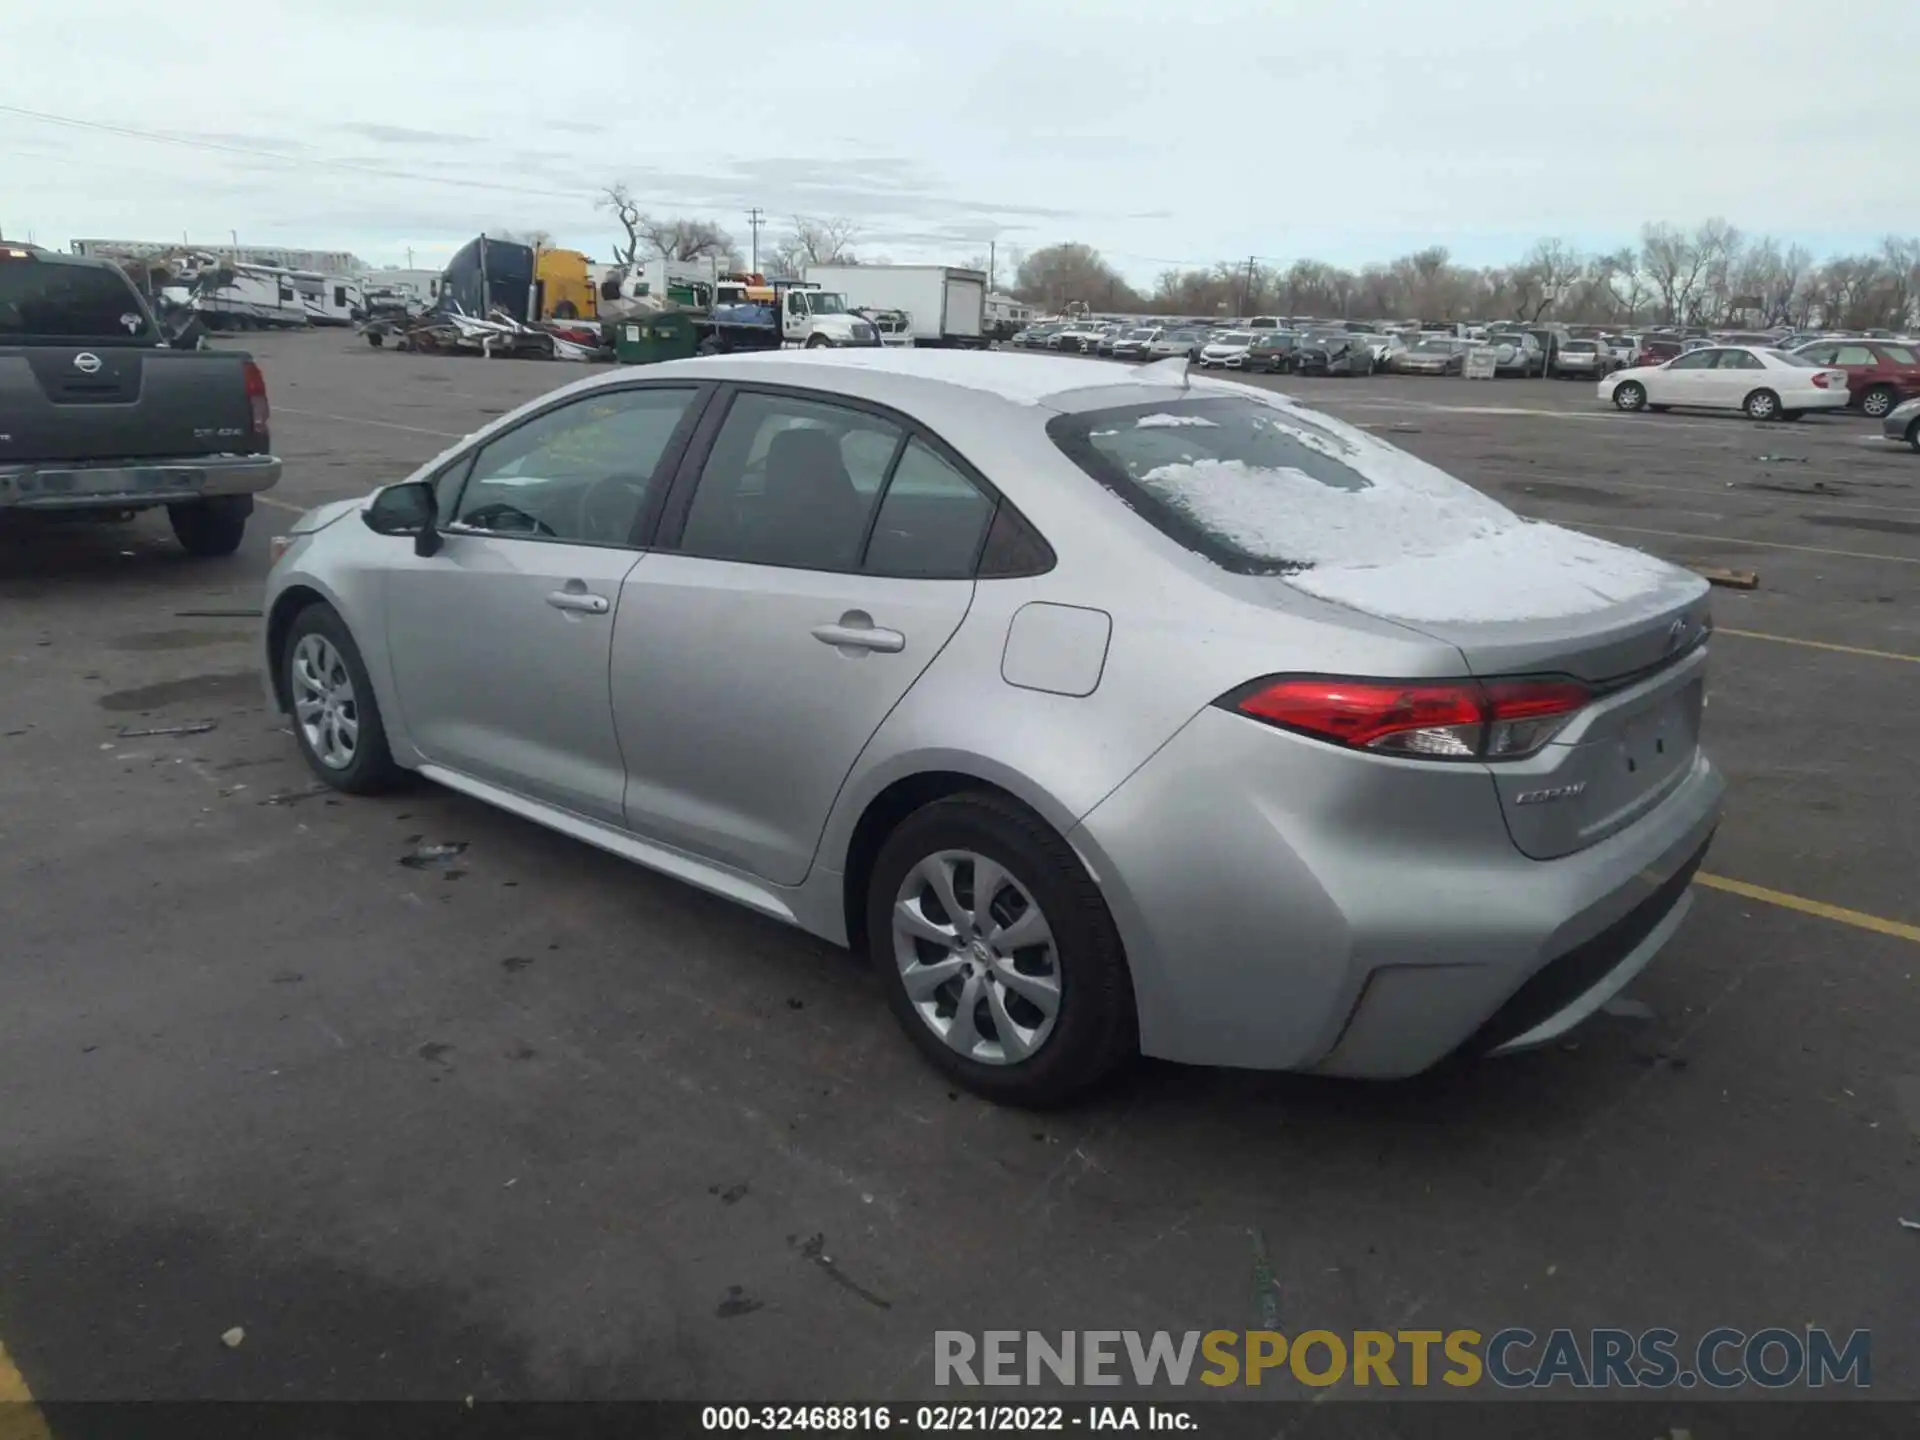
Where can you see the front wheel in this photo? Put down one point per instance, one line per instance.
(816, 342)
(211, 528)
(1878, 401)
(1003, 963)
(336, 720)
(1762, 405)
(1630, 395)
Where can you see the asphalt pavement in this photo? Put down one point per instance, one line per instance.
(542, 1124)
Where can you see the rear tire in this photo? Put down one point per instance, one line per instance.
(1762, 405)
(1913, 436)
(1092, 1030)
(319, 648)
(1630, 395)
(1878, 401)
(211, 528)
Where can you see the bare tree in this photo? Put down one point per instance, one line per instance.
(649, 238)
(618, 199)
(815, 241)
(1061, 273)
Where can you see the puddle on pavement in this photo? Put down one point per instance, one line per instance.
(230, 685)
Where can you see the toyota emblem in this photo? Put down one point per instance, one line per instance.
(86, 362)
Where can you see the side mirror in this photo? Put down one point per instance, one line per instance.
(406, 509)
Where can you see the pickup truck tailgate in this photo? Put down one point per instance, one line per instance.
(72, 402)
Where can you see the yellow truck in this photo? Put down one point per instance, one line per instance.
(563, 286)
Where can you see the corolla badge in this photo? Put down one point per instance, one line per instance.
(86, 362)
(1677, 633)
(1558, 792)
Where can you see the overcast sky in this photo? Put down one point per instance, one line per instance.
(1162, 133)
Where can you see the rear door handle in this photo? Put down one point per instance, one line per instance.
(856, 631)
(579, 600)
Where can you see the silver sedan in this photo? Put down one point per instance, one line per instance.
(1106, 711)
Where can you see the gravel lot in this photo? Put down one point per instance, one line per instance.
(555, 1126)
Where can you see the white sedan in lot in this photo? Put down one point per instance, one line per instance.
(1766, 384)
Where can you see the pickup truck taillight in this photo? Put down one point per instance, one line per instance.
(257, 398)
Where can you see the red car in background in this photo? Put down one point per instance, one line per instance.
(1656, 352)
(1880, 373)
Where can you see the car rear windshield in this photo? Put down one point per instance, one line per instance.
(1580, 346)
(1268, 489)
(51, 301)
(1898, 354)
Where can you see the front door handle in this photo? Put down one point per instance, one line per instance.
(856, 631)
(579, 600)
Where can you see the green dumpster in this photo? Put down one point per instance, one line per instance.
(670, 335)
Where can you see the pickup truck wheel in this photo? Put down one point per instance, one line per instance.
(336, 720)
(210, 528)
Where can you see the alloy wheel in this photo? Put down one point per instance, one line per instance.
(977, 957)
(324, 704)
(1877, 403)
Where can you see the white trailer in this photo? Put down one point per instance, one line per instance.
(946, 306)
(329, 299)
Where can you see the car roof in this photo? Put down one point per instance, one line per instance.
(1018, 379)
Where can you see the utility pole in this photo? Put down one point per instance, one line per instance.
(409, 257)
(756, 217)
(991, 257)
(1246, 288)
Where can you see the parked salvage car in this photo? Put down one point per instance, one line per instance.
(1134, 344)
(1582, 359)
(1271, 352)
(1657, 350)
(1305, 755)
(1766, 384)
(1880, 373)
(1903, 423)
(1430, 357)
(1333, 354)
(1227, 349)
(101, 418)
(1169, 343)
(1516, 354)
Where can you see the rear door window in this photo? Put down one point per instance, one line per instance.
(1854, 355)
(1267, 489)
(49, 300)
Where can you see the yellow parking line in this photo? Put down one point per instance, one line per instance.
(20, 1418)
(282, 504)
(1742, 540)
(1859, 919)
(1818, 645)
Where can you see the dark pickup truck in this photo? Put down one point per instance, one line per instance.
(98, 416)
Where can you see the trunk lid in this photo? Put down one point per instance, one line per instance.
(76, 402)
(1639, 642)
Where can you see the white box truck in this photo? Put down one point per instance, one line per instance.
(944, 306)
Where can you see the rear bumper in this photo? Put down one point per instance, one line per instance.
(1319, 912)
(121, 484)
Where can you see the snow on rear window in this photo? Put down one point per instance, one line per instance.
(1270, 488)
(1166, 422)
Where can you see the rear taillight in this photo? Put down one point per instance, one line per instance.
(1825, 379)
(1419, 719)
(257, 397)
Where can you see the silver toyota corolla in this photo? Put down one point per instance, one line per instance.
(1108, 711)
